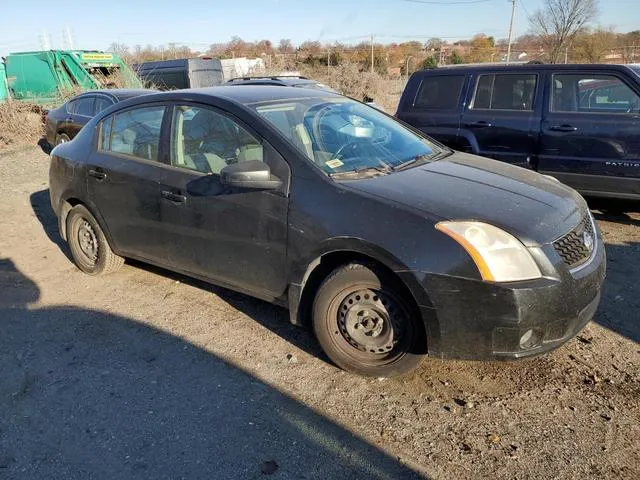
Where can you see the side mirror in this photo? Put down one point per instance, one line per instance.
(252, 174)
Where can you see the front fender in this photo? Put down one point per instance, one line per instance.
(341, 250)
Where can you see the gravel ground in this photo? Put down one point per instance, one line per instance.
(149, 374)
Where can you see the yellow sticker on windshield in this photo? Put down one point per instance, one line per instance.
(335, 163)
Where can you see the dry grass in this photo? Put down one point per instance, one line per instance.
(348, 79)
(20, 123)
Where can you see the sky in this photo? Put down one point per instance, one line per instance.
(198, 23)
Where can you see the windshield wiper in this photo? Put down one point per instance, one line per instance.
(360, 171)
(421, 159)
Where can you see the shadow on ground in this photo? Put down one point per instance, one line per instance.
(613, 210)
(88, 394)
(270, 316)
(620, 305)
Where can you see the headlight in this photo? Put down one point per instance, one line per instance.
(499, 256)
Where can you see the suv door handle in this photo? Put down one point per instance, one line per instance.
(479, 124)
(563, 128)
(173, 197)
(97, 173)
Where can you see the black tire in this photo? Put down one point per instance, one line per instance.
(366, 324)
(89, 247)
(62, 138)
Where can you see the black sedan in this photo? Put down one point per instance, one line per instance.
(389, 244)
(64, 123)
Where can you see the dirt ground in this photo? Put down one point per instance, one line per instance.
(148, 374)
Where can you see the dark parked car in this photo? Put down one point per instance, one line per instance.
(578, 123)
(390, 244)
(64, 123)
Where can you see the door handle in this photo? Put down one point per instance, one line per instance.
(479, 124)
(97, 173)
(563, 128)
(173, 197)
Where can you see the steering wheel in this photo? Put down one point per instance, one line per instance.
(345, 147)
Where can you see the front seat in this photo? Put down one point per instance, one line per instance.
(204, 143)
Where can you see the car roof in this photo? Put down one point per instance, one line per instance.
(479, 67)
(275, 80)
(247, 95)
(118, 94)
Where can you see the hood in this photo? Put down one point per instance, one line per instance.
(534, 208)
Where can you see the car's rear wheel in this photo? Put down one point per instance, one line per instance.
(89, 247)
(62, 138)
(366, 324)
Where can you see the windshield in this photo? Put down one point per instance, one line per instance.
(340, 135)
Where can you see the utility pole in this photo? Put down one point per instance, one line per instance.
(566, 54)
(45, 41)
(513, 14)
(69, 37)
(328, 60)
(407, 69)
(371, 53)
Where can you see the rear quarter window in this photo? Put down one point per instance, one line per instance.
(439, 92)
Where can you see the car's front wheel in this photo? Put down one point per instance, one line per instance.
(366, 324)
(89, 247)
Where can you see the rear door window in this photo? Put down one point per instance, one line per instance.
(133, 132)
(505, 92)
(439, 92)
(592, 93)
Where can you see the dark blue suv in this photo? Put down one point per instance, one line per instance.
(578, 123)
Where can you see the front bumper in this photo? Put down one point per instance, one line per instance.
(472, 319)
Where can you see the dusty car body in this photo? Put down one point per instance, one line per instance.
(391, 245)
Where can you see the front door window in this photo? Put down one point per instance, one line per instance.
(207, 141)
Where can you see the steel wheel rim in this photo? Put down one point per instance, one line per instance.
(382, 333)
(88, 242)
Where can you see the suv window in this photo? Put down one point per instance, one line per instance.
(589, 93)
(440, 92)
(505, 92)
(133, 132)
(207, 141)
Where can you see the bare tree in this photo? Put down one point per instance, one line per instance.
(593, 46)
(285, 46)
(629, 46)
(558, 22)
(433, 44)
(120, 49)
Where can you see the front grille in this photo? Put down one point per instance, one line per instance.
(576, 247)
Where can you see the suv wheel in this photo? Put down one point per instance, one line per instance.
(89, 247)
(365, 324)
